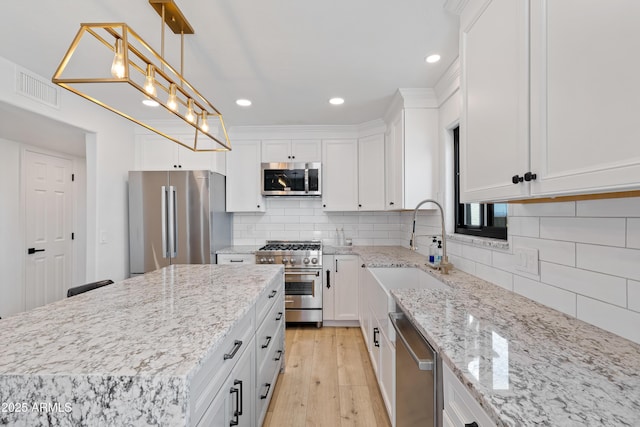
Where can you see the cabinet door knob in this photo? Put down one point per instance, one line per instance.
(288, 157)
(391, 203)
(516, 179)
(359, 205)
(293, 157)
(529, 176)
(175, 166)
(324, 206)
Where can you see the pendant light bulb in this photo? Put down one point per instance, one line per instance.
(204, 125)
(172, 101)
(150, 81)
(190, 116)
(117, 66)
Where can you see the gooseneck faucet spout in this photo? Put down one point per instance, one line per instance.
(445, 265)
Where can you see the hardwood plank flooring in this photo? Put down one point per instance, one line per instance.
(328, 381)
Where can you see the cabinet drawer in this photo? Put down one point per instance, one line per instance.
(268, 374)
(459, 405)
(217, 366)
(266, 333)
(275, 292)
(236, 259)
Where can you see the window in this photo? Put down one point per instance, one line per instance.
(484, 220)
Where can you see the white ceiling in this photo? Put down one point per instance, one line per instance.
(288, 56)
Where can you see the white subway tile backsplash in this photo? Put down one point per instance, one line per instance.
(610, 289)
(610, 317)
(633, 233)
(463, 264)
(373, 219)
(605, 259)
(495, 276)
(524, 226)
(544, 209)
(625, 207)
(299, 211)
(285, 219)
(477, 254)
(550, 296)
(601, 231)
(549, 250)
(633, 294)
(454, 248)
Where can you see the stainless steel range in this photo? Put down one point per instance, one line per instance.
(302, 262)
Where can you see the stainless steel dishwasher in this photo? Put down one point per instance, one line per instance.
(419, 400)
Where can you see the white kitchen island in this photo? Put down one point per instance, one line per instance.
(138, 352)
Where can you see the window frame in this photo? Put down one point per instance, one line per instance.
(487, 229)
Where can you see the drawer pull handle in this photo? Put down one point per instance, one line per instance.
(236, 346)
(473, 424)
(236, 413)
(279, 315)
(267, 343)
(236, 260)
(273, 293)
(376, 342)
(239, 408)
(279, 352)
(266, 393)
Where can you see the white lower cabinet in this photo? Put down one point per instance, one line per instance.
(236, 259)
(233, 405)
(340, 290)
(460, 408)
(380, 344)
(236, 383)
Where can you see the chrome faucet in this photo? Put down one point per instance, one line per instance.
(445, 265)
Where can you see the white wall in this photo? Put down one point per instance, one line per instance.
(109, 156)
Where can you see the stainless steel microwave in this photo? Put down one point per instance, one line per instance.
(291, 179)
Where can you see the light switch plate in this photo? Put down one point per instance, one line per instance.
(526, 260)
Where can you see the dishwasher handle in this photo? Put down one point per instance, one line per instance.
(423, 364)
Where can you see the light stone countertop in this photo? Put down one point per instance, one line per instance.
(526, 364)
(123, 354)
(239, 249)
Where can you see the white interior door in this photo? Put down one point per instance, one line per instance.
(48, 222)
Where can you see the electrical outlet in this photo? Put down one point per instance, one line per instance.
(526, 260)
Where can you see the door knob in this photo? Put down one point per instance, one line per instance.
(32, 251)
(529, 176)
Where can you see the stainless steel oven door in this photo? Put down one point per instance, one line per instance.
(303, 289)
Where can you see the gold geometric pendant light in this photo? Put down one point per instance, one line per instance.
(107, 61)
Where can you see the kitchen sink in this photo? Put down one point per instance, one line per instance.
(379, 284)
(406, 278)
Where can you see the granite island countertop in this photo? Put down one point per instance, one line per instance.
(526, 364)
(123, 354)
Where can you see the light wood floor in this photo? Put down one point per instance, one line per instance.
(328, 381)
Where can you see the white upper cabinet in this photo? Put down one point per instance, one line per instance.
(243, 178)
(285, 150)
(495, 115)
(585, 96)
(154, 152)
(340, 175)
(371, 179)
(572, 134)
(411, 151)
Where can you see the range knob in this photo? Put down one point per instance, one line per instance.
(271, 260)
(314, 260)
(292, 261)
(263, 260)
(284, 260)
(306, 260)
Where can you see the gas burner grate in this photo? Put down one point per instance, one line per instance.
(298, 246)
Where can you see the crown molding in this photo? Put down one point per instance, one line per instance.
(307, 131)
(410, 98)
(449, 83)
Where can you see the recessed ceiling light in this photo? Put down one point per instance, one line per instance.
(150, 102)
(432, 58)
(336, 101)
(243, 102)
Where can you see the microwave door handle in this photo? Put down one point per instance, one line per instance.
(306, 180)
(165, 248)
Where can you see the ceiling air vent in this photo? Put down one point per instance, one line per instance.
(37, 88)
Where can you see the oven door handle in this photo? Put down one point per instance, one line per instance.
(302, 275)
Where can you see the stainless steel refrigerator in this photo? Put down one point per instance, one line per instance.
(176, 217)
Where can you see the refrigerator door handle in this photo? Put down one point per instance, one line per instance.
(173, 223)
(165, 248)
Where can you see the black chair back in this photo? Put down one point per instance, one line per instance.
(88, 287)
